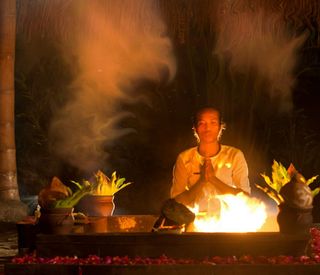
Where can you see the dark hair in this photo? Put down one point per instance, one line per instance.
(202, 109)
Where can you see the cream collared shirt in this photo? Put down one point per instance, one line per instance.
(229, 165)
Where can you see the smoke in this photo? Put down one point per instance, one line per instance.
(116, 44)
(258, 40)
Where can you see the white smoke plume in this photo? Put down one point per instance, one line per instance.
(116, 43)
(259, 40)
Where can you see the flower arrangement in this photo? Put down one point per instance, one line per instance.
(280, 178)
(104, 186)
(74, 197)
(58, 195)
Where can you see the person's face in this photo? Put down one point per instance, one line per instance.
(208, 126)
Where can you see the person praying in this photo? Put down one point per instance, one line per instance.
(210, 168)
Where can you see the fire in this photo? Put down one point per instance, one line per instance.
(238, 213)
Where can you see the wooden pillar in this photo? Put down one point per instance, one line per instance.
(8, 172)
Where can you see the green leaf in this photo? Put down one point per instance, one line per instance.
(69, 191)
(123, 186)
(267, 179)
(119, 182)
(311, 180)
(280, 176)
(315, 191)
(271, 193)
(77, 184)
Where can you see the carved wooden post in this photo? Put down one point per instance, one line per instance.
(11, 208)
(8, 173)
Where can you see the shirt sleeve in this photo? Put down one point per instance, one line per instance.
(180, 178)
(240, 173)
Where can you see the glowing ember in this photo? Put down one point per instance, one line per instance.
(238, 213)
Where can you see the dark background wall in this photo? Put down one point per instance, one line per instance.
(257, 60)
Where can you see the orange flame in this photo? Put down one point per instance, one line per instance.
(237, 213)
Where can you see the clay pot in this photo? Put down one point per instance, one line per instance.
(56, 221)
(96, 206)
(294, 220)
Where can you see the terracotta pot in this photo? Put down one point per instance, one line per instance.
(56, 221)
(96, 205)
(294, 220)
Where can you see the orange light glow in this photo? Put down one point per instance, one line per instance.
(238, 213)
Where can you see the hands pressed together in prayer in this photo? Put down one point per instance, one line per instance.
(207, 177)
(207, 180)
(207, 172)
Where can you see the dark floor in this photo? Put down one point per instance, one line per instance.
(8, 243)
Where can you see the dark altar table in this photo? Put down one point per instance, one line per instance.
(151, 244)
(193, 245)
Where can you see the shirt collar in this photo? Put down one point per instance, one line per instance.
(201, 158)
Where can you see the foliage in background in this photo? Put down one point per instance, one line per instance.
(41, 81)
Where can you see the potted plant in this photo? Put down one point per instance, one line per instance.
(99, 202)
(291, 191)
(57, 202)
